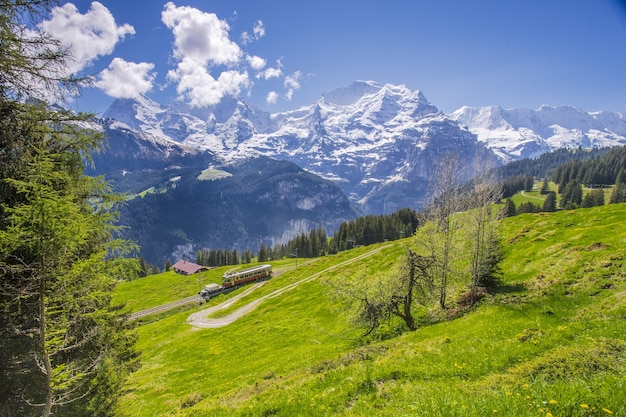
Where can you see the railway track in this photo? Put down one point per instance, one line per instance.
(164, 307)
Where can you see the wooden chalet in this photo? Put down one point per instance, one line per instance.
(187, 268)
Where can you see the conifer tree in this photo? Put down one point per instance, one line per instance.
(64, 349)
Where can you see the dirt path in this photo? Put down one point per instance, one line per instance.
(201, 320)
(531, 196)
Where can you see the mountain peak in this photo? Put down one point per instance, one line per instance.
(345, 96)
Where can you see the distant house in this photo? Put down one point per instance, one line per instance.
(187, 268)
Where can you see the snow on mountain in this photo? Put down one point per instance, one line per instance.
(368, 138)
(523, 133)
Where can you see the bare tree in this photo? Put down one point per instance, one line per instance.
(447, 200)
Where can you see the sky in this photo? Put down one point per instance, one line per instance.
(282, 54)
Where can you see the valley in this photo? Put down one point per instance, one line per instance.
(550, 336)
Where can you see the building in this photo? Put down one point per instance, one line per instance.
(187, 268)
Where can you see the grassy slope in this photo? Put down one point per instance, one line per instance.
(550, 341)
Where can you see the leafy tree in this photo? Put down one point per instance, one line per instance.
(372, 301)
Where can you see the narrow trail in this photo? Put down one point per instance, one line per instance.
(530, 196)
(200, 319)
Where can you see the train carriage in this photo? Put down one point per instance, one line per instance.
(233, 279)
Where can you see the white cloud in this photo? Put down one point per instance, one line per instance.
(258, 31)
(201, 41)
(126, 79)
(200, 36)
(198, 86)
(88, 35)
(272, 97)
(256, 62)
(270, 73)
(291, 83)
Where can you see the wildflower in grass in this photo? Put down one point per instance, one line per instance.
(552, 401)
(585, 406)
(606, 410)
(549, 415)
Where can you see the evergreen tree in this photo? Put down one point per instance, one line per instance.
(545, 187)
(618, 195)
(593, 198)
(509, 208)
(64, 348)
(549, 204)
(572, 196)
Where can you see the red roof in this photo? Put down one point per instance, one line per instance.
(187, 268)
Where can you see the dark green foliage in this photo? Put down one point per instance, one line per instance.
(514, 185)
(64, 349)
(549, 204)
(594, 198)
(572, 196)
(222, 257)
(618, 195)
(509, 208)
(544, 166)
(528, 207)
(373, 229)
(544, 187)
(602, 170)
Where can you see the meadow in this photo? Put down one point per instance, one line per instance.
(550, 340)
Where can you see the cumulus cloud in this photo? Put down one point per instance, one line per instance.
(88, 36)
(201, 42)
(200, 36)
(198, 86)
(256, 62)
(126, 79)
(272, 97)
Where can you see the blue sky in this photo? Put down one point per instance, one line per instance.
(282, 54)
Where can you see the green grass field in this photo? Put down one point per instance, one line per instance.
(551, 341)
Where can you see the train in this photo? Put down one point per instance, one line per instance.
(232, 280)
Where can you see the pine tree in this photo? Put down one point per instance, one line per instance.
(549, 204)
(64, 348)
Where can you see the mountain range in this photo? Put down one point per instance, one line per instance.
(379, 145)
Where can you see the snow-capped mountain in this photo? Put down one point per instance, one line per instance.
(523, 133)
(380, 143)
